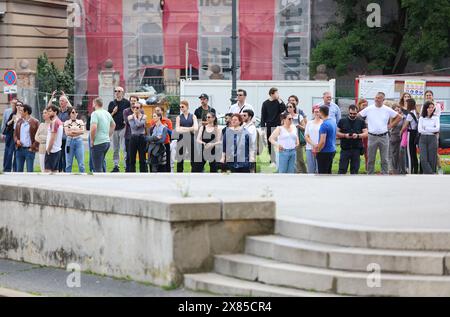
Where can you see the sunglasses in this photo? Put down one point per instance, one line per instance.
(290, 107)
(134, 107)
(73, 112)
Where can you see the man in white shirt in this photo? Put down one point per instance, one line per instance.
(241, 105)
(247, 116)
(378, 116)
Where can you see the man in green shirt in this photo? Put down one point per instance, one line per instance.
(102, 128)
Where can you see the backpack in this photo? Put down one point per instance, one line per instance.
(417, 139)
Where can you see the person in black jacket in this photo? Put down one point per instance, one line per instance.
(271, 110)
(351, 131)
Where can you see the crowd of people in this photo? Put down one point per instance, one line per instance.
(395, 130)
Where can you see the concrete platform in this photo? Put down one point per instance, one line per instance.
(377, 202)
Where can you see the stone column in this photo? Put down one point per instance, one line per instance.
(107, 80)
(26, 86)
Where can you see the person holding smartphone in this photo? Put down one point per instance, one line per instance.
(351, 131)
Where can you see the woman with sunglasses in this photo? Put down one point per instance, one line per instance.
(299, 122)
(137, 122)
(209, 136)
(74, 129)
(186, 125)
(285, 139)
(156, 150)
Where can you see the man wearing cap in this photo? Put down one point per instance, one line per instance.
(204, 109)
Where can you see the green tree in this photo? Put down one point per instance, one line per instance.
(420, 33)
(50, 78)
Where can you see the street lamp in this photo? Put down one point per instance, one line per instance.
(233, 52)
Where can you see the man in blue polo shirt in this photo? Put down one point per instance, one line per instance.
(326, 148)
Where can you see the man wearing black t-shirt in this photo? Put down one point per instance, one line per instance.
(204, 109)
(116, 108)
(271, 110)
(351, 131)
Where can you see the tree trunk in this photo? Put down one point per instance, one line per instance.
(397, 63)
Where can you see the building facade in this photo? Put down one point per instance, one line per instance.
(27, 30)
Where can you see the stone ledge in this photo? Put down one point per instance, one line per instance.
(164, 209)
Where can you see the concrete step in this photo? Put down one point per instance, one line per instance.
(224, 285)
(276, 273)
(347, 258)
(363, 237)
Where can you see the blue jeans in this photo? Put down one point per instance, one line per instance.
(91, 165)
(76, 149)
(25, 155)
(311, 162)
(98, 153)
(9, 153)
(287, 161)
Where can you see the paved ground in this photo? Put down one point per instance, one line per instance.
(397, 202)
(43, 281)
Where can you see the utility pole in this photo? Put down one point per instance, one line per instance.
(233, 52)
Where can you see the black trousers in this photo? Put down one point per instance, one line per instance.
(62, 158)
(412, 153)
(137, 145)
(351, 157)
(180, 163)
(325, 162)
(127, 160)
(167, 167)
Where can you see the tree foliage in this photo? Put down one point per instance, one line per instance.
(420, 33)
(50, 78)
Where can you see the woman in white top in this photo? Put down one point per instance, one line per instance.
(312, 139)
(410, 124)
(299, 121)
(428, 145)
(285, 139)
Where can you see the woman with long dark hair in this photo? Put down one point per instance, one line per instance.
(209, 136)
(410, 125)
(428, 128)
(402, 103)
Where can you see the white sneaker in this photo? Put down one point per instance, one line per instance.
(273, 165)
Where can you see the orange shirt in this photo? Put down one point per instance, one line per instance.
(167, 123)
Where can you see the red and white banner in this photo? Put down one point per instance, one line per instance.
(139, 35)
(256, 28)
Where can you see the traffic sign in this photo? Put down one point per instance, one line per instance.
(10, 77)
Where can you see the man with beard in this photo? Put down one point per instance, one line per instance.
(351, 131)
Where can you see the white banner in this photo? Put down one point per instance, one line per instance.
(416, 88)
(369, 87)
